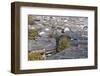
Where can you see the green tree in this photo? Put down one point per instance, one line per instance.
(35, 56)
(30, 20)
(63, 43)
(32, 34)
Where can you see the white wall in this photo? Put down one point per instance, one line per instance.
(5, 30)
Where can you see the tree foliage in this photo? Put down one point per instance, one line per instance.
(30, 20)
(35, 56)
(32, 34)
(63, 43)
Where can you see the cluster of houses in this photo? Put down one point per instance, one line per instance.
(48, 44)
